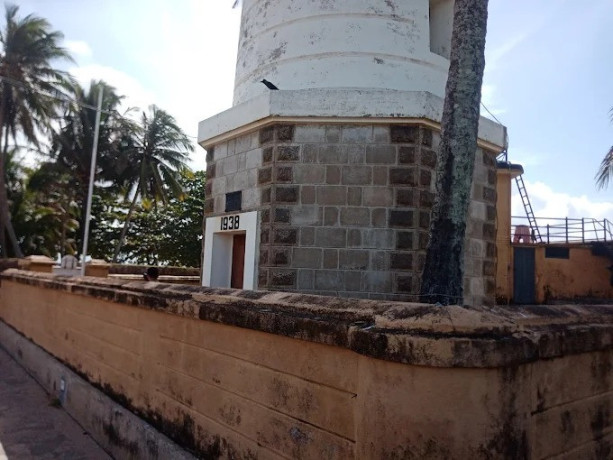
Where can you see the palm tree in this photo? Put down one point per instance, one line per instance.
(26, 80)
(442, 278)
(605, 171)
(158, 153)
(71, 146)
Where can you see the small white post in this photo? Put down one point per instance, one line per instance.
(92, 173)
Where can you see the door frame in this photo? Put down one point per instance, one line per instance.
(217, 257)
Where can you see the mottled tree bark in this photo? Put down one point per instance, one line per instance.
(442, 278)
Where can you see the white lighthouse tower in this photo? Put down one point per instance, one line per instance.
(326, 184)
(394, 45)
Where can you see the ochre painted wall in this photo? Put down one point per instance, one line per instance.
(249, 394)
(579, 277)
(245, 387)
(504, 263)
(583, 275)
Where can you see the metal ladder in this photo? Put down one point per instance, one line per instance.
(536, 234)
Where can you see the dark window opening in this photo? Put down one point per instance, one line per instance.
(557, 253)
(234, 201)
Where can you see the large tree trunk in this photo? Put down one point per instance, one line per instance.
(442, 278)
(5, 216)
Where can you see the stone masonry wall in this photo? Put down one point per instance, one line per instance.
(233, 166)
(345, 209)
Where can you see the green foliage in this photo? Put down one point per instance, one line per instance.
(159, 235)
(105, 224)
(28, 47)
(144, 161)
(45, 213)
(182, 223)
(158, 153)
(71, 145)
(47, 209)
(15, 179)
(605, 171)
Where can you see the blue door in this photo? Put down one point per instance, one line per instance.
(523, 276)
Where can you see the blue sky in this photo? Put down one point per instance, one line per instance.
(548, 77)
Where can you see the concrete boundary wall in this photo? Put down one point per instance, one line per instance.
(121, 433)
(244, 374)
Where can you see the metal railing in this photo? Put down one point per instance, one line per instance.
(561, 230)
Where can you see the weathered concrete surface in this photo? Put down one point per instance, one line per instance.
(30, 425)
(353, 44)
(112, 426)
(244, 374)
(408, 333)
(584, 275)
(336, 106)
(505, 173)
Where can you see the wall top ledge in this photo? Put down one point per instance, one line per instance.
(349, 105)
(410, 333)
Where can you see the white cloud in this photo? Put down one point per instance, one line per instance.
(196, 77)
(186, 67)
(78, 48)
(180, 102)
(547, 202)
(136, 95)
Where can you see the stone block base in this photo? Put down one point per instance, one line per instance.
(345, 208)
